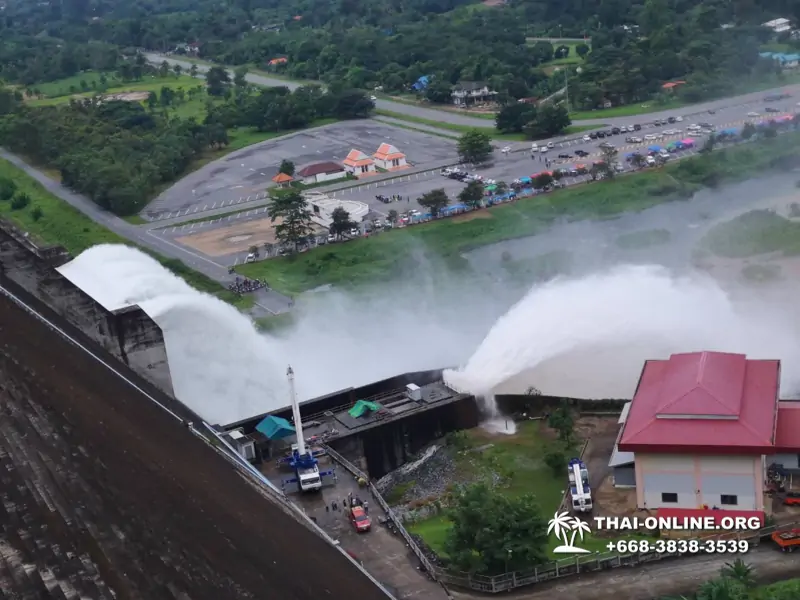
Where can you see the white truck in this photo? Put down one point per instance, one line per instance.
(579, 491)
(309, 479)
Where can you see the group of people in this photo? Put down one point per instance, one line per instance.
(243, 285)
(392, 198)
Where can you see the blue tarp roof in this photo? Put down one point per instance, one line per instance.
(654, 148)
(275, 428)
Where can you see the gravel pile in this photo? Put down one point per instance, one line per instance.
(429, 478)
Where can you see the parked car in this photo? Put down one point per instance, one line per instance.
(615, 131)
(586, 138)
(770, 109)
(581, 153)
(565, 156)
(637, 127)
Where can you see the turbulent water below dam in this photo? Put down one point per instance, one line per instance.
(581, 336)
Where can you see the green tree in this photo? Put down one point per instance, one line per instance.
(514, 117)
(561, 52)
(341, 222)
(287, 167)
(748, 131)
(8, 188)
(392, 216)
(582, 50)
(550, 120)
(434, 201)
(217, 81)
(609, 160)
(474, 147)
(163, 69)
(177, 69)
(722, 589)
(556, 460)
(439, 92)
(472, 195)
(240, 78)
(20, 201)
(709, 144)
(638, 161)
(542, 180)
(37, 213)
(193, 70)
(562, 421)
(295, 218)
(740, 571)
(493, 533)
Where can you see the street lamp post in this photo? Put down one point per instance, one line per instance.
(508, 559)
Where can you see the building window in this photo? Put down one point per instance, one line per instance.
(729, 500)
(395, 162)
(364, 168)
(669, 497)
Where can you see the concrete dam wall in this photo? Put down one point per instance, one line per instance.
(129, 334)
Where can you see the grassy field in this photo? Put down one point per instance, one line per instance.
(521, 453)
(59, 223)
(643, 239)
(55, 91)
(753, 233)
(490, 131)
(376, 259)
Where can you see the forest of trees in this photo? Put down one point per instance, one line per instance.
(636, 45)
(121, 153)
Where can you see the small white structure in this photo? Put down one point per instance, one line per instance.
(414, 392)
(322, 207)
(359, 164)
(319, 172)
(389, 158)
(778, 25)
(243, 445)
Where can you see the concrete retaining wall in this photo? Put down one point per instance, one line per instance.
(129, 334)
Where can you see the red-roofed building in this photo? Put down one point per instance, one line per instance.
(282, 180)
(389, 158)
(359, 164)
(319, 172)
(701, 430)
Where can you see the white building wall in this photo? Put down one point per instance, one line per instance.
(694, 481)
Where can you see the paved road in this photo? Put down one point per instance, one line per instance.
(271, 301)
(460, 119)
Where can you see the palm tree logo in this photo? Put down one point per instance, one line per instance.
(561, 525)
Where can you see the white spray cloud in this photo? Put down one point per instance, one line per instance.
(589, 337)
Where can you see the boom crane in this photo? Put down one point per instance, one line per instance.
(304, 464)
(579, 490)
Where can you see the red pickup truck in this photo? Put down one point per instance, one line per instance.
(359, 519)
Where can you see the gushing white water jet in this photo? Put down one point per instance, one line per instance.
(589, 337)
(225, 370)
(220, 366)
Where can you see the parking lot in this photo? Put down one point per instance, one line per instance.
(245, 174)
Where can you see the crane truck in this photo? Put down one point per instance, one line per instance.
(303, 462)
(579, 492)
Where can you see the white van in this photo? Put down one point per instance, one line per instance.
(250, 258)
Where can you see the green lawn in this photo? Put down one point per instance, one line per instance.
(490, 131)
(62, 224)
(375, 259)
(573, 58)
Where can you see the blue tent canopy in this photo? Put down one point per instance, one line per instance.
(275, 428)
(654, 148)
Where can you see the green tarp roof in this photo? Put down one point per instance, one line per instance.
(275, 428)
(363, 407)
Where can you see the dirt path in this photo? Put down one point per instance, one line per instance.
(102, 491)
(667, 578)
